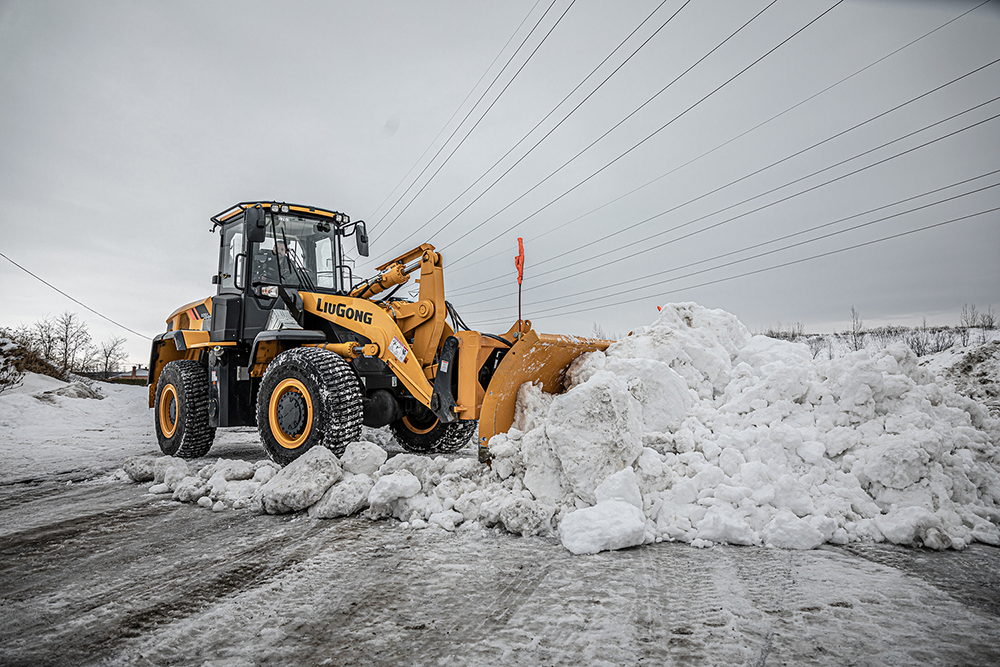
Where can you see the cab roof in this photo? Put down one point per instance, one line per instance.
(282, 207)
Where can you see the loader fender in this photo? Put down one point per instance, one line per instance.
(165, 349)
(277, 341)
(535, 358)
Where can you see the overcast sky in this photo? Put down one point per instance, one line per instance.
(124, 126)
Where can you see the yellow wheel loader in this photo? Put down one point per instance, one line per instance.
(293, 344)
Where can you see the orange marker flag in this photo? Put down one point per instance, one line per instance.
(519, 260)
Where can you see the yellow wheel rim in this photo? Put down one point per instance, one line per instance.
(283, 438)
(416, 429)
(168, 410)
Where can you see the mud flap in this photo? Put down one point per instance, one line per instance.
(534, 358)
(442, 400)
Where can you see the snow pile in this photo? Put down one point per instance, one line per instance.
(229, 483)
(74, 431)
(691, 430)
(767, 447)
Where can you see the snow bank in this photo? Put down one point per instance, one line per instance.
(691, 430)
(768, 446)
(73, 430)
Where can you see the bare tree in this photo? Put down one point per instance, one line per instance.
(988, 318)
(963, 336)
(885, 336)
(792, 332)
(817, 344)
(970, 316)
(599, 332)
(73, 351)
(111, 354)
(856, 336)
(44, 339)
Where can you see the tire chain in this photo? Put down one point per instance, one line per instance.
(197, 437)
(455, 437)
(341, 385)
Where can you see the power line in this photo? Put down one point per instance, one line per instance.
(495, 100)
(784, 199)
(459, 108)
(777, 266)
(614, 127)
(592, 298)
(547, 116)
(648, 137)
(648, 238)
(471, 109)
(726, 143)
(45, 282)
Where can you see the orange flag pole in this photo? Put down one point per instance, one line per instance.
(519, 263)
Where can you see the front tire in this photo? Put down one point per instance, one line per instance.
(308, 397)
(181, 407)
(425, 434)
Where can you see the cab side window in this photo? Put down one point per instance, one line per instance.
(232, 246)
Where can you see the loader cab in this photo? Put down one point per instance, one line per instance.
(271, 250)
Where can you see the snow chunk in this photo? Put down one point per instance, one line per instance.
(446, 520)
(593, 431)
(363, 458)
(230, 469)
(302, 482)
(190, 489)
(163, 466)
(722, 523)
(913, 526)
(344, 498)
(425, 469)
(526, 517)
(620, 486)
(140, 468)
(788, 531)
(73, 390)
(399, 484)
(607, 526)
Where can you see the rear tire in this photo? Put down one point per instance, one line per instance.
(308, 397)
(181, 410)
(428, 435)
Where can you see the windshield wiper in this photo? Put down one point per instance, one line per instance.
(295, 263)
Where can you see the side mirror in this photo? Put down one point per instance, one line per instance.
(255, 221)
(361, 236)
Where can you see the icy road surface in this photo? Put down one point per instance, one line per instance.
(96, 572)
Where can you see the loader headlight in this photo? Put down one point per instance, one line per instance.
(284, 208)
(274, 208)
(268, 290)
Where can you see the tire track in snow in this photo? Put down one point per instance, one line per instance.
(134, 569)
(62, 539)
(246, 589)
(760, 585)
(970, 575)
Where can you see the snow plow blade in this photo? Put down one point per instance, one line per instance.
(535, 358)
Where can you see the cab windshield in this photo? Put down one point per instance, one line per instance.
(297, 252)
